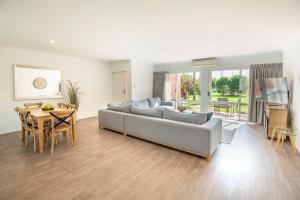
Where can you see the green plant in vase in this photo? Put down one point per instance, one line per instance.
(74, 93)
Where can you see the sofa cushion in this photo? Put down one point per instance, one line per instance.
(165, 107)
(193, 118)
(129, 102)
(154, 102)
(150, 112)
(178, 116)
(119, 107)
(141, 103)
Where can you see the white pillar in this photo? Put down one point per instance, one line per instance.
(204, 88)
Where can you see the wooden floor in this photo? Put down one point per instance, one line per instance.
(108, 165)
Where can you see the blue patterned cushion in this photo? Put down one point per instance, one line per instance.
(154, 102)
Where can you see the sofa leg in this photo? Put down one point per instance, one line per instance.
(101, 126)
(208, 158)
(125, 134)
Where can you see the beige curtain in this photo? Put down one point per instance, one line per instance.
(259, 71)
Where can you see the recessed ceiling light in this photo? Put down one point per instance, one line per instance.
(52, 41)
(210, 45)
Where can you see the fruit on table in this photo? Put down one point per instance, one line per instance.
(48, 106)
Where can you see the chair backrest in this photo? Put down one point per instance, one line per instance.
(223, 99)
(64, 105)
(20, 113)
(62, 117)
(25, 117)
(30, 105)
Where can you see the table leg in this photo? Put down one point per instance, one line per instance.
(41, 134)
(74, 128)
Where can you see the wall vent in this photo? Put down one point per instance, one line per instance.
(204, 62)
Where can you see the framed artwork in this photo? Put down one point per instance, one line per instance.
(32, 82)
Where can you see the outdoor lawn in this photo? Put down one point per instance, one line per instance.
(222, 87)
(233, 98)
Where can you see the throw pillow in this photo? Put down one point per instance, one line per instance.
(119, 107)
(150, 112)
(141, 103)
(154, 102)
(178, 116)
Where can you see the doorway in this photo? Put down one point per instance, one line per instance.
(184, 89)
(120, 87)
(229, 93)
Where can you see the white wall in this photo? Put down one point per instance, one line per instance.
(141, 78)
(94, 79)
(225, 62)
(291, 67)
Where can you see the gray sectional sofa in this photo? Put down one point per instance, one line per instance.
(188, 132)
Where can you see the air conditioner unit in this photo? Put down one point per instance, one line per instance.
(204, 62)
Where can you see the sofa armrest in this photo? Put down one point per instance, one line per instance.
(215, 127)
(167, 103)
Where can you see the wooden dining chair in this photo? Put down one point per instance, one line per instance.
(61, 122)
(21, 117)
(29, 126)
(64, 105)
(30, 105)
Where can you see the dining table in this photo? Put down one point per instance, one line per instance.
(41, 116)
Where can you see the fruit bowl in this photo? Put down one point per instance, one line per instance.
(48, 106)
(181, 108)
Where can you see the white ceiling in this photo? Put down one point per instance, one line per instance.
(156, 30)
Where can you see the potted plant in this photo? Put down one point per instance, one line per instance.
(74, 93)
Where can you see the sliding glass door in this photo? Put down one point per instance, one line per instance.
(229, 93)
(225, 92)
(184, 89)
(244, 95)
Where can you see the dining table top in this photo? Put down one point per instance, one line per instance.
(38, 112)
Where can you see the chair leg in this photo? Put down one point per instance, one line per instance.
(34, 142)
(47, 139)
(56, 140)
(65, 136)
(26, 138)
(52, 143)
(293, 143)
(278, 140)
(273, 134)
(23, 135)
(71, 135)
(282, 140)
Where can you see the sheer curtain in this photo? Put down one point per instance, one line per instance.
(258, 71)
(167, 88)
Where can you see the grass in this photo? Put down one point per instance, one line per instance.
(215, 96)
